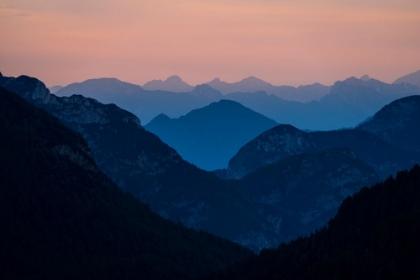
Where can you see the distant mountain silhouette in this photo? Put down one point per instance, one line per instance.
(208, 137)
(365, 78)
(207, 91)
(103, 88)
(173, 84)
(413, 78)
(62, 218)
(139, 162)
(143, 103)
(54, 89)
(398, 123)
(285, 140)
(252, 84)
(349, 103)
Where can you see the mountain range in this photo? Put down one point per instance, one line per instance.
(172, 83)
(285, 140)
(349, 102)
(62, 218)
(141, 164)
(208, 137)
(66, 219)
(252, 84)
(373, 236)
(143, 103)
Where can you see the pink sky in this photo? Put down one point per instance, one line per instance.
(280, 41)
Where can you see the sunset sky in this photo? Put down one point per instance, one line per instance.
(280, 41)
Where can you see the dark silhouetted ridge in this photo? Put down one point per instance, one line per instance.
(373, 236)
(62, 218)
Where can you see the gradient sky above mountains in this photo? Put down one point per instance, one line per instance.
(282, 42)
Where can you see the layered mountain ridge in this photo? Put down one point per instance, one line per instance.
(208, 137)
(373, 236)
(347, 104)
(285, 140)
(173, 83)
(64, 219)
(140, 163)
(397, 123)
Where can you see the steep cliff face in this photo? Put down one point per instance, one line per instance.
(398, 123)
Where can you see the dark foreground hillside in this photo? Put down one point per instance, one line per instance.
(375, 235)
(62, 218)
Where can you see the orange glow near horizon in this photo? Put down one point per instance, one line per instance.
(281, 42)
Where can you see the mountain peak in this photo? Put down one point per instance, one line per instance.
(1, 75)
(173, 83)
(215, 80)
(365, 78)
(209, 136)
(413, 78)
(206, 91)
(251, 80)
(174, 79)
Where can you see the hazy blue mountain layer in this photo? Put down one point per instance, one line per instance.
(208, 137)
(172, 83)
(285, 140)
(302, 94)
(412, 78)
(145, 104)
(398, 123)
(54, 89)
(140, 163)
(349, 103)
